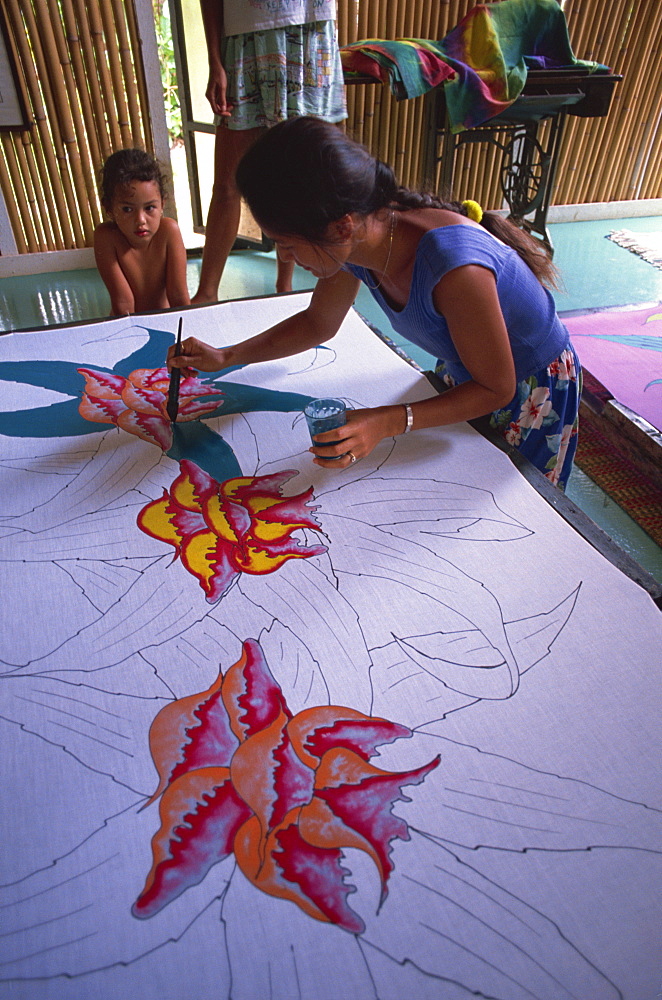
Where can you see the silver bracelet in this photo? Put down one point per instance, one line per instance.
(410, 418)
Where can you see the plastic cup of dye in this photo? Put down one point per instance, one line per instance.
(325, 415)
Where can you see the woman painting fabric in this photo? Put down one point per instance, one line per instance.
(267, 63)
(464, 285)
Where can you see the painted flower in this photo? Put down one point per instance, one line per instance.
(286, 794)
(564, 367)
(535, 408)
(220, 530)
(513, 434)
(137, 404)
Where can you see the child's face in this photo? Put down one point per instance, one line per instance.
(136, 210)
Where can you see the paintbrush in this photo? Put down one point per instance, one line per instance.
(173, 390)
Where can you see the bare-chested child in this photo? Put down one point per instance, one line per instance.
(139, 252)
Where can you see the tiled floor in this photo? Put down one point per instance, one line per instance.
(595, 273)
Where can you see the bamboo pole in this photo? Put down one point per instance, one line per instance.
(584, 129)
(34, 203)
(43, 212)
(594, 40)
(115, 66)
(608, 175)
(579, 28)
(92, 80)
(11, 203)
(372, 110)
(649, 102)
(598, 150)
(141, 84)
(19, 192)
(652, 183)
(80, 78)
(127, 64)
(362, 26)
(426, 27)
(48, 189)
(32, 63)
(342, 22)
(652, 127)
(70, 157)
(73, 125)
(95, 27)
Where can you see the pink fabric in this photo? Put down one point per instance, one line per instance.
(623, 349)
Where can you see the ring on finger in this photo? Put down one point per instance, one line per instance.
(352, 457)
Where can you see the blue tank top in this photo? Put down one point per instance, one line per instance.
(536, 333)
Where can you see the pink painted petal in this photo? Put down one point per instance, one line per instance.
(316, 730)
(167, 521)
(290, 868)
(209, 558)
(151, 378)
(154, 430)
(193, 386)
(102, 385)
(221, 514)
(269, 776)
(191, 409)
(192, 486)
(252, 697)
(191, 733)
(101, 411)
(292, 511)
(360, 797)
(277, 551)
(147, 401)
(263, 485)
(158, 519)
(187, 522)
(200, 816)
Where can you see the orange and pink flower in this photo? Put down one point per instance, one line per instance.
(238, 773)
(219, 530)
(137, 404)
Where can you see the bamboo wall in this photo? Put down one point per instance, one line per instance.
(81, 66)
(81, 63)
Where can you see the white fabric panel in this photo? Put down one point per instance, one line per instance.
(450, 599)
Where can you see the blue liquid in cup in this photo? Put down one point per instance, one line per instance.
(324, 415)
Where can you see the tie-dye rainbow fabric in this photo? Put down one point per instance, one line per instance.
(482, 63)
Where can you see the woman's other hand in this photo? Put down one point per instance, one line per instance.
(361, 433)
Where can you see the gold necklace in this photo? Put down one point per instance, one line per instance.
(388, 256)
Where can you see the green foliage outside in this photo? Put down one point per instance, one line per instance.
(168, 74)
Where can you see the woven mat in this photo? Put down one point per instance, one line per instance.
(620, 479)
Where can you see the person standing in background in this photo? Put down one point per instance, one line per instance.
(265, 65)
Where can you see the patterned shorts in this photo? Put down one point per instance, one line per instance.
(284, 72)
(542, 419)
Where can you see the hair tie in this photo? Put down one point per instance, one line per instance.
(473, 210)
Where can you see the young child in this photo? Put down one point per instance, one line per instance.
(467, 286)
(140, 253)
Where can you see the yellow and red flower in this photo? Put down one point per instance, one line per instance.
(286, 794)
(137, 404)
(219, 530)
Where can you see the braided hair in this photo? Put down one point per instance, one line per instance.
(304, 174)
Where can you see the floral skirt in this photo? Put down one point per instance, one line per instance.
(542, 419)
(284, 72)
